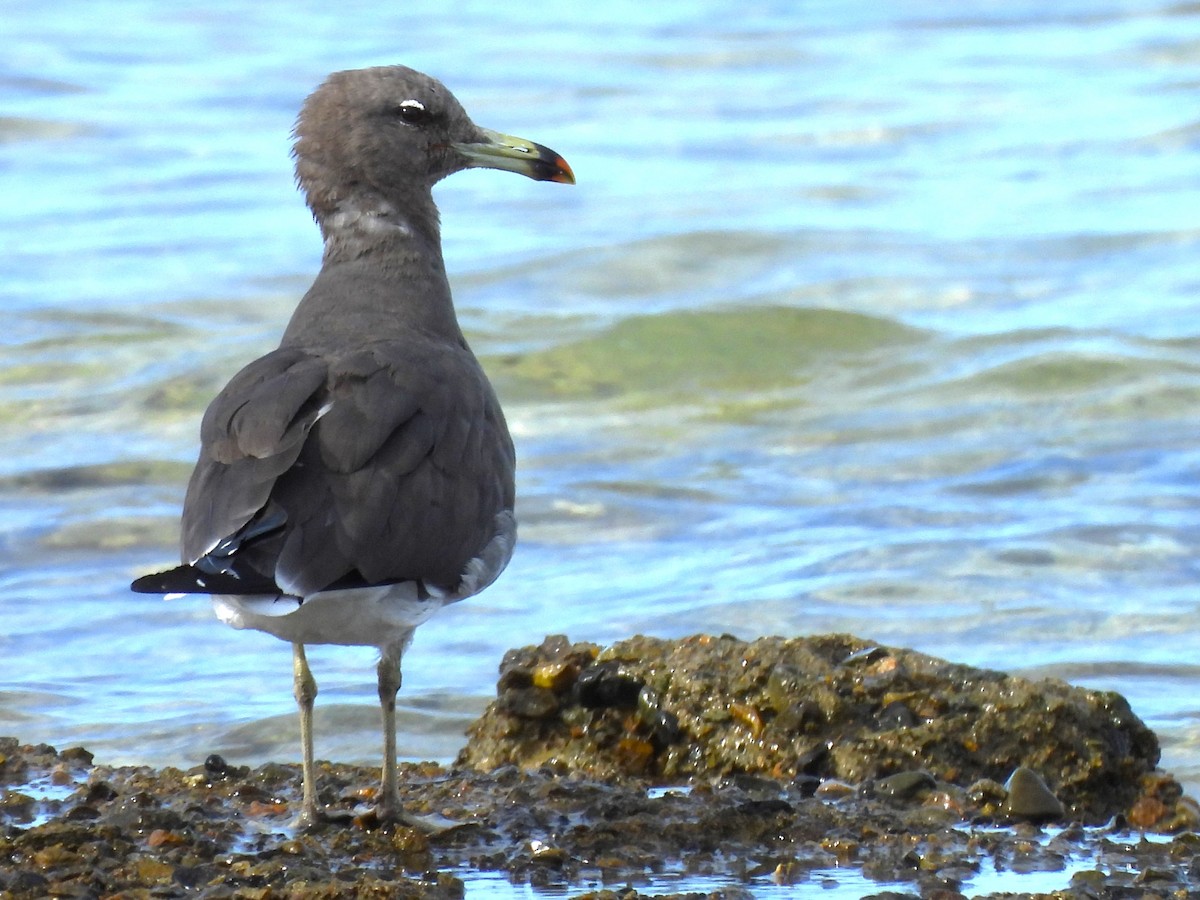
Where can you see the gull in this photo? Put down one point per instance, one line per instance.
(360, 477)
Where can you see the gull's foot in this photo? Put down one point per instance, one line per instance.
(431, 824)
(313, 817)
(310, 818)
(392, 813)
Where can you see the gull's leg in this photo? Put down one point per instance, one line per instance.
(388, 808)
(305, 688)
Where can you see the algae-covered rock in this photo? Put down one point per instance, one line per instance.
(768, 730)
(831, 706)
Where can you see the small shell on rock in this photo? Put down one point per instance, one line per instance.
(869, 654)
(1030, 798)
(831, 789)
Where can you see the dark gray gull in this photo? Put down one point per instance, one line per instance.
(360, 477)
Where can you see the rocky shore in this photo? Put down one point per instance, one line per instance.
(612, 772)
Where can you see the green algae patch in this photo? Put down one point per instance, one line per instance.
(679, 353)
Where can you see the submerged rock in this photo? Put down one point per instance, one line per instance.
(824, 707)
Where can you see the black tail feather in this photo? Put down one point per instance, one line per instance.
(194, 580)
(191, 580)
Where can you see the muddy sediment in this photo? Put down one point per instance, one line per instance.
(612, 771)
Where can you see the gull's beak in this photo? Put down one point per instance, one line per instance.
(514, 154)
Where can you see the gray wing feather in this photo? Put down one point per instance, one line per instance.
(390, 461)
(252, 432)
(262, 410)
(371, 402)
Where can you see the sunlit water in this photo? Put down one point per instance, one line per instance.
(860, 318)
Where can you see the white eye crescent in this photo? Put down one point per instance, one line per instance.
(412, 112)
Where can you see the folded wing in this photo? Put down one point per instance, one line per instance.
(383, 464)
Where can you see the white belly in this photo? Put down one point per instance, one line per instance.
(370, 617)
(381, 616)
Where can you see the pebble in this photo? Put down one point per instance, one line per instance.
(555, 676)
(832, 789)
(1030, 798)
(904, 785)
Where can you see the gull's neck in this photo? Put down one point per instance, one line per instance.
(365, 223)
(382, 275)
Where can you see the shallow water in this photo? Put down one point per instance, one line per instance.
(872, 320)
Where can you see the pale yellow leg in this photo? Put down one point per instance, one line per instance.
(388, 808)
(305, 689)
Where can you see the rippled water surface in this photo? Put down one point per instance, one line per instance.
(859, 318)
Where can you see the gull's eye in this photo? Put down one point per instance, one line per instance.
(411, 112)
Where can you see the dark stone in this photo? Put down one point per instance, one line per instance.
(607, 686)
(806, 785)
(530, 703)
(903, 785)
(813, 760)
(895, 715)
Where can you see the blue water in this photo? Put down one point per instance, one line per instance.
(875, 318)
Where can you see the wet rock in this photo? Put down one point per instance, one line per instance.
(813, 761)
(538, 828)
(215, 765)
(555, 676)
(726, 705)
(896, 715)
(989, 795)
(904, 786)
(17, 807)
(1030, 798)
(607, 686)
(138, 832)
(77, 756)
(832, 789)
(530, 703)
